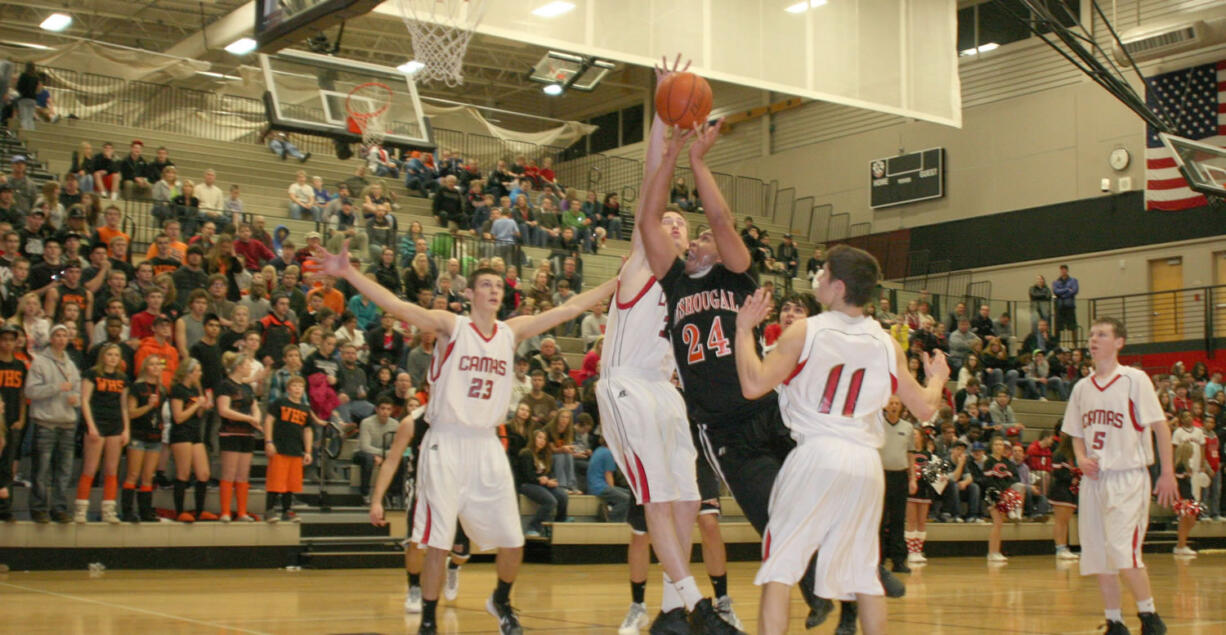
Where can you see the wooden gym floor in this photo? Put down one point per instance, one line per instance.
(1031, 594)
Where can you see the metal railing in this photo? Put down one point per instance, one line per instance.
(216, 116)
(1181, 315)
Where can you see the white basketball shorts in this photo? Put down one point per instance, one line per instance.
(827, 498)
(1112, 516)
(645, 425)
(463, 474)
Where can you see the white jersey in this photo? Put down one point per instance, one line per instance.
(635, 337)
(844, 377)
(1113, 417)
(470, 377)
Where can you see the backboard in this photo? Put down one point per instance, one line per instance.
(1203, 165)
(307, 94)
(570, 71)
(280, 23)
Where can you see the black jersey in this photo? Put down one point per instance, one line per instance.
(702, 327)
(209, 356)
(289, 420)
(999, 473)
(188, 396)
(148, 427)
(12, 389)
(241, 398)
(105, 402)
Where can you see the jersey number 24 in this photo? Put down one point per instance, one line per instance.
(716, 342)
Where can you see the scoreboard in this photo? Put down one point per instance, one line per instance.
(907, 178)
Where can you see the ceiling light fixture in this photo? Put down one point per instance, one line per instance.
(241, 46)
(410, 67)
(553, 9)
(553, 90)
(56, 22)
(982, 48)
(804, 5)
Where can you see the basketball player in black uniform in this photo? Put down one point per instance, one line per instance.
(744, 440)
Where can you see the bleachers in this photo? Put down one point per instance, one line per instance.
(264, 179)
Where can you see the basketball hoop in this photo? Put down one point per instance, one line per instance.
(367, 106)
(440, 31)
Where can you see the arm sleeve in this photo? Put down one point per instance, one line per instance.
(364, 436)
(37, 385)
(1072, 413)
(1145, 409)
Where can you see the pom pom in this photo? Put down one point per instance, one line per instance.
(934, 469)
(1188, 508)
(1009, 500)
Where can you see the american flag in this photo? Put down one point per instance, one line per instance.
(1191, 101)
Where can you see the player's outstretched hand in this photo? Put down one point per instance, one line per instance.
(376, 514)
(705, 136)
(935, 365)
(754, 310)
(677, 141)
(663, 70)
(1089, 467)
(333, 264)
(1166, 490)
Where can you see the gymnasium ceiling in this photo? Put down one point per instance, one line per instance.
(494, 68)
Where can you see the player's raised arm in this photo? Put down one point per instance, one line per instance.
(760, 376)
(732, 250)
(387, 470)
(661, 252)
(922, 401)
(526, 326)
(338, 265)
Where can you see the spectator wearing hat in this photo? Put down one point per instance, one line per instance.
(53, 388)
(343, 226)
(34, 235)
(306, 259)
(160, 343)
(134, 172)
(789, 256)
(25, 192)
(75, 224)
(48, 270)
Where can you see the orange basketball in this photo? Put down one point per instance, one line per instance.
(683, 99)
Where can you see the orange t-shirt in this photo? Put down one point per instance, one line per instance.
(178, 251)
(105, 234)
(333, 299)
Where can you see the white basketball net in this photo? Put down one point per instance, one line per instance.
(368, 108)
(440, 30)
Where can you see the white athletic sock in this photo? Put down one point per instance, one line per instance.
(1146, 606)
(669, 598)
(1114, 615)
(688, 590)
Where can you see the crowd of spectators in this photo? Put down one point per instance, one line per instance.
(211, 283)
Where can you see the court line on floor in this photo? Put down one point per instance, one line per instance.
(133, 609)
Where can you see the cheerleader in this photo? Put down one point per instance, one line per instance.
(1065, 478)
(145, 401)
(104, 405)
(919, 497)
(1186, 508)
(240, 418)
(189, 405)
(999, 476)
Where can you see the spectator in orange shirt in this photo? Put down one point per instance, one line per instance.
(333, 299)
(160, 343)
(306, 258)
(111, 218)
(177, 249)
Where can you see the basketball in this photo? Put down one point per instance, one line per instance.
(683, 99)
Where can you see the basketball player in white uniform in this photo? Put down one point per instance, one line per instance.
(643, 417)
(1110, 417)
(838, 370)
(463, 473)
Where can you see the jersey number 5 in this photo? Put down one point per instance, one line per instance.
(832, 386)
(481, 389)
(715, 341)
(1100, 438)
